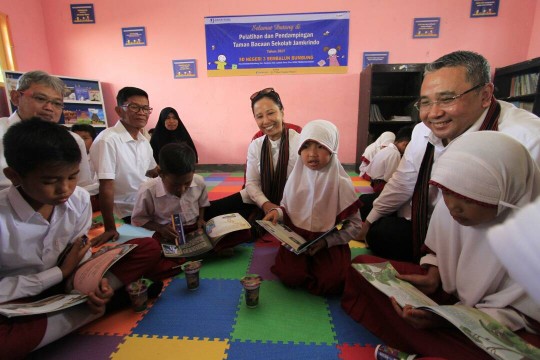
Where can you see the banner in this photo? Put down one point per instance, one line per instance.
(311, 43)
(484, 8)
(82, 14)
(379, 57)
(425, 28)
(184, 69)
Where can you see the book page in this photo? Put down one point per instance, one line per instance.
(224, 224)
(283, 234)
(89, 273)
(383, 277)
(49, 304)
(197, 243)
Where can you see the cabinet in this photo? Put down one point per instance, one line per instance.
(83, 100)
(518, 84)
(393, 90)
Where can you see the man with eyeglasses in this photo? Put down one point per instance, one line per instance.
(456, 97)
(41, 95)
(122, 158)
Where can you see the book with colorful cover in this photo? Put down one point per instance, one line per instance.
(203, 240)
(487, 333)
(85, 279)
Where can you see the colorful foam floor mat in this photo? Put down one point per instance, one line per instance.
(213, 322)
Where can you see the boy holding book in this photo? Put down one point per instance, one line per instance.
(44, 218)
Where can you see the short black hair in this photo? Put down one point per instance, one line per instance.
(34, 143)
(125, 93)
(177, 159)
(404, 134)
(84, 128)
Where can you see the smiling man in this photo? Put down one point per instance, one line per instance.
(122, 157)
(40, 95)
(456, 97)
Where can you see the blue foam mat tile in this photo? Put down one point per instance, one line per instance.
(208, 312)
(347, 330)
(269, 351)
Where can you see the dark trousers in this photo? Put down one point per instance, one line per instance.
(230, 204)
(391, 238)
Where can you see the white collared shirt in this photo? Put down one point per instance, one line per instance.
(85, 179)
(117, 156)
(384, 163)
(155, 204)
(30, 245)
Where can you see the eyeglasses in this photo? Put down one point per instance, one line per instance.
(444, 102)
(263, 92)
(136, 108)
(43, 100)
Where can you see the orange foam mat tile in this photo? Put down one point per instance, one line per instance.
(166, 348)
(119, 323)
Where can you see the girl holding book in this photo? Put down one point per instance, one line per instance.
(318, 194)
(481, 185)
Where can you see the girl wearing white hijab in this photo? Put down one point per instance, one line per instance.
(372, 149)
(318, 194)
(483, 176)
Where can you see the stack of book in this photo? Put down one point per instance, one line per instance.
(375, 113)
(523, 84)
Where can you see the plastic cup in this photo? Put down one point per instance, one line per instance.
(383, 352)
(252, 284)
(191, 269)
(138, 293)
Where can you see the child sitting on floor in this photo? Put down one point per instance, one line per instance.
(177, 190)
(42, 214)
(372, 149)
(480, 184)
(318, 195)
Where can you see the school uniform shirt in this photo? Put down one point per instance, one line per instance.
(253, 192)
(372, 149)
(117, 156)
(503, 176)
(518, 123)
(85, 179)
(30, 245)
(384, 163)
(154, 203)
(314, 200)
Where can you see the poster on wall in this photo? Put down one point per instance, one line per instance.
(134, 36)
(426, 28)
(484, 8)
(82, 14)
(379, 57)
(184, 69)
(308, 43)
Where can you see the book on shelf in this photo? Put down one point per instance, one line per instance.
(85, 279)
(292, 240)
(525, 105)
(203, 240)
(94, 95)
(484, 331)
(82, 93)
(375, 114)
(524, 84)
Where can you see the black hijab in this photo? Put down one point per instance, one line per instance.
(162, 136)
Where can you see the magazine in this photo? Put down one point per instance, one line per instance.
(201, 241)
(294, 241)
(487, 333)
(85, 279)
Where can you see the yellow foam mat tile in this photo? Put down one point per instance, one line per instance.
(356, 244)
(164, 348)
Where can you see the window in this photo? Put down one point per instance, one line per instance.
(6, 54)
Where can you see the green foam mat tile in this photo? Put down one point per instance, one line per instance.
(359, 251)
(285, 315)
(233, 267)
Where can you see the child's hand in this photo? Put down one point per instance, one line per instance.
(167, 232)
(111, 235)
(272, 216)
(418, 319)
(200, 223)
(315, 248)
(74, 255)
(100, 297)
(268, 206)
(428, 283)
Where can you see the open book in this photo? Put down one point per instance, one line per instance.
(487, 333)
(295, 242)
(201, 241)
(85, 279)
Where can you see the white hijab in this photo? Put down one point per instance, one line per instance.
(314, 198)
(492, 168)
(372, 149)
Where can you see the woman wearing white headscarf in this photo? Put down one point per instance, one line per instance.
(372, 149)
(318, 194)
(483, 176)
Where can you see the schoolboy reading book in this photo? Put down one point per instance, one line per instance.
(460, 267)
(319, 194)
(41, 215)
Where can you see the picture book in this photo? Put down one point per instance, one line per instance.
(85, 279)
(295, 242)
(201, 241)
(487, 333)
